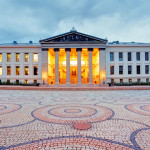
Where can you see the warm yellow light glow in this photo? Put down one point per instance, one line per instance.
(35, 57)
(73, 63)
(44, 76)
(0, 57)
(0, 71)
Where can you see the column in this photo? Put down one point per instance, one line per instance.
(90, 66)
(102, 65)
(68, 65)
(56, 65)
(79, 65)
(45, 65)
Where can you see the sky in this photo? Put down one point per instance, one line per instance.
(33, 20)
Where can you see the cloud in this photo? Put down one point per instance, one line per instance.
(123, 20)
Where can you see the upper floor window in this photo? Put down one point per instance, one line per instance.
(26, 57)
(8, 57)
(120, 69)
(35, 70)
(8, 70)
(138, 56)
(17, 70)
(0, 57)
(17, 57)
(138, 70)
(146, 56)
(35, 57)
(26, 70)
(146, 69)
(129, 56)
(111, 56)
(120, 56)
(111, 70)
(1, 71)
(129, 69)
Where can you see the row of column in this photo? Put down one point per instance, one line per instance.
(68, 65)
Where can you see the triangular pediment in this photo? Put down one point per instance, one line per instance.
(73, 37)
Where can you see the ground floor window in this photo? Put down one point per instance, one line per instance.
(35, 81)
(26, 82)
(138, 80)
(112, 81)
(17, 81)
(8, 80)
(147, 79)
(130, 80)
(121, 80)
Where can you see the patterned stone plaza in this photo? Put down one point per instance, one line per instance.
(44, 120)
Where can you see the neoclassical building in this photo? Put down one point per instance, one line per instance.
(74, 58)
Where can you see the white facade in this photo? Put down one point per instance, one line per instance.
(14, 49)
(125, 48)
(125, 75)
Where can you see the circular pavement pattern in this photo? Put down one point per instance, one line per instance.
(8, 108)
(142, 109)
(67, 114)
(74, 142)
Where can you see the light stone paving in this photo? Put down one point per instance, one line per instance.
(44, 120)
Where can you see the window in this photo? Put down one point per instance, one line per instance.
(0, 57)
(1, 72)
(120, 69)
(35, 81)
(129, 56)
(111, 70)
(26, 81)
(17, 81)
(17, 57)
(120, 56)
(26, 57)
(17, 70)
(8, 80)
(146, 69)
(138, 80)
(8, 57)
(26, 70)
(35, 57)
(138, 56)
(111, 56)
(121, 80)
(138, 69)
(130, 80)
(129, 69)
(35, 70)
(8, 70)
(112, 81)
(146, 56)
(147, 79)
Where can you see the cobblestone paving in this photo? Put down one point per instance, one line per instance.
(44, 120)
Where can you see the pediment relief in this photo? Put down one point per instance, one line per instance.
(73, 37)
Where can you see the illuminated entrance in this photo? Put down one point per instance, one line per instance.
(73, 58)
(74, 70)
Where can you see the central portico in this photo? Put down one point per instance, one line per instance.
(73, 58)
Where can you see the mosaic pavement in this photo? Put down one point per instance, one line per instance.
(44, 120)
